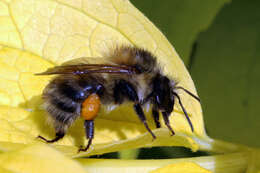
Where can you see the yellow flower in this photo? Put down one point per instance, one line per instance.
(38, 158)
(38, 34)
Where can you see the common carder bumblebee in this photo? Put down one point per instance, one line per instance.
(126, 74)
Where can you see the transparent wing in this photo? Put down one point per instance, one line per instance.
(84, 66)
(88, 60)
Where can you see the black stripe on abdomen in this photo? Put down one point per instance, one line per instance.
(59, 104)
(72, 93)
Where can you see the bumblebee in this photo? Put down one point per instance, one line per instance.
(127, 74)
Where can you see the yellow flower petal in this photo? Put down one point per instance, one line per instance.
(254, 161)
(2, 170)
(37, 34)
(231, 163)
(38, 158)
(187, 167)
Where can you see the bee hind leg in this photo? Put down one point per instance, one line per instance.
(89, 128)
(59, 135)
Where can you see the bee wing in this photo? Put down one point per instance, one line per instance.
(88, 60)
(82, 66)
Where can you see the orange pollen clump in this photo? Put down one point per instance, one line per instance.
(90, 107)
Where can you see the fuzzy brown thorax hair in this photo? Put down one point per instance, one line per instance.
(142, 60)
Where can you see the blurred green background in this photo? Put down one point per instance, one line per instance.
(219, 41)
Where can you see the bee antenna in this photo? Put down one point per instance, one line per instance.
(184, 111)
(188, 92)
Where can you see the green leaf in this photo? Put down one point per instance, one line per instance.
(226, 70)
(181, 21)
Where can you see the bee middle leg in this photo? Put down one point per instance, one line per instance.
(126, 89)
(140, 113)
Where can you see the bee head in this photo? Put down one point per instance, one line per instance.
(163, 96)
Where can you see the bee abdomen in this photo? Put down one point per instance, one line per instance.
(62, 101)
(59, 115)
(72, 93)
(59, 104)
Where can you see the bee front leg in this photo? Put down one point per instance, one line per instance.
(167, 122)
(89, 128)
(156, 117)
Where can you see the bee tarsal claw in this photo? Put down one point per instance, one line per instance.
(82, 149)
(42, 138)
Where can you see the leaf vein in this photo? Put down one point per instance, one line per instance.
(15, 25)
